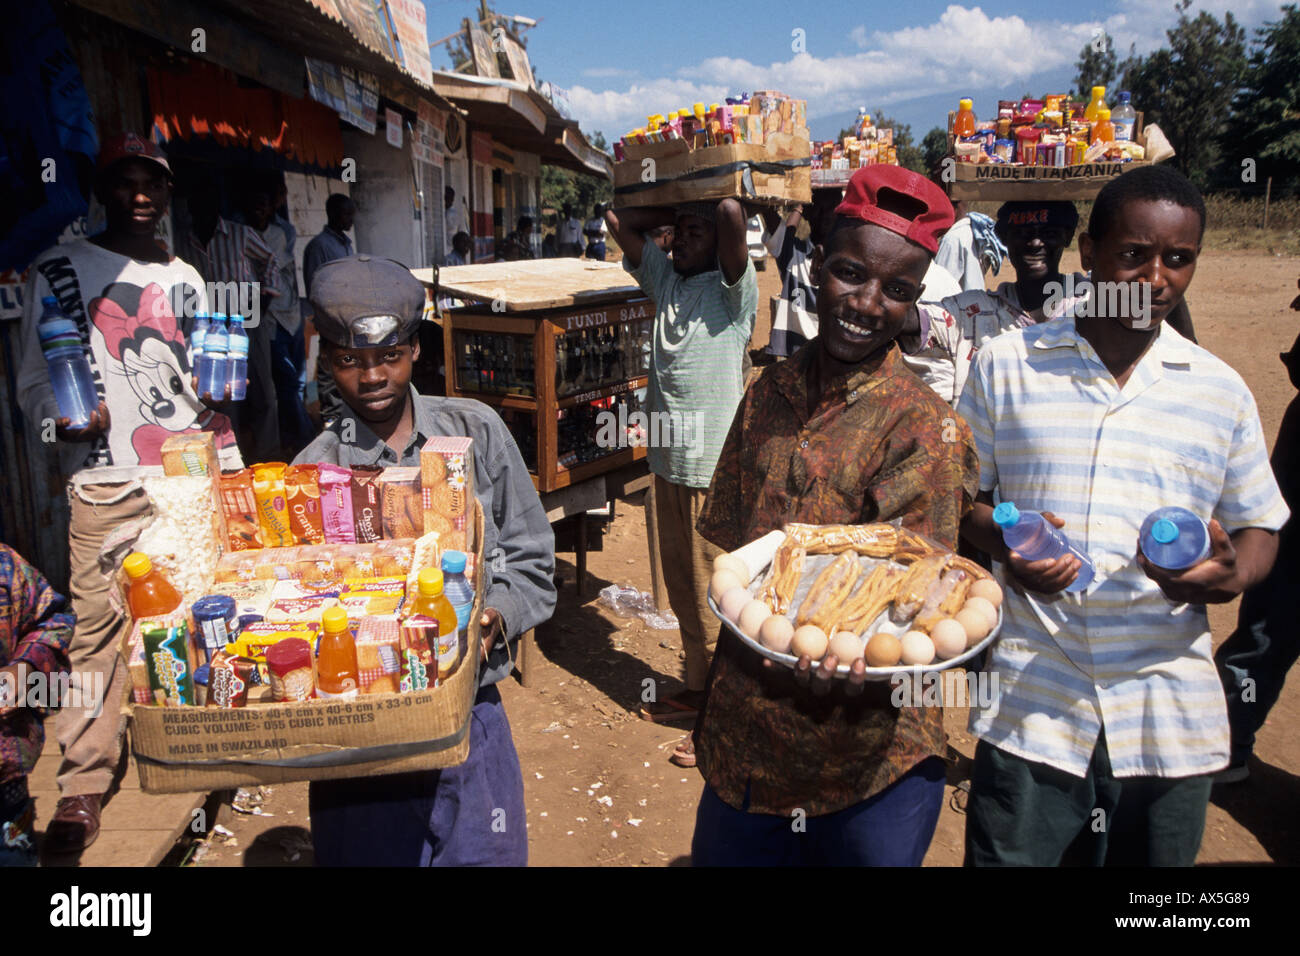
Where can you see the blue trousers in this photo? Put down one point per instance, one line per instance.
(893, 828)
(1254, 660)
(471, 815)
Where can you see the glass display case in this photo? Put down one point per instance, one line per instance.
(558, 378)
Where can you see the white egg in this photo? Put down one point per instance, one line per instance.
(974, 623)
(918, 648)
(733, 602)
(811, 640)
(752, 616)
(722, 582)
(729, 562)
(847, 646)
(988, 589)
(949, 638)
(776, 633)
(985, 607)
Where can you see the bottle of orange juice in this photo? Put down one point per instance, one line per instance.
(431, 602)
(1098, 102)
(336, 661)
(1103, 129)
(148, 592)
(964, 124)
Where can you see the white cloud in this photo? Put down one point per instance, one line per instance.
(964, 47)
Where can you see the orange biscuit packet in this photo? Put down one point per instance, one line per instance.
(302, 494)
(272, 508)
(237, 501)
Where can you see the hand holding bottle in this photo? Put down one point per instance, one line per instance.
(1216, 580)
(1047, 576)
(97, 427)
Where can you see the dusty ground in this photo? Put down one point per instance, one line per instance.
(598, 784)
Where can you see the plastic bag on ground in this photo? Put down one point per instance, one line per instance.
(629, 602)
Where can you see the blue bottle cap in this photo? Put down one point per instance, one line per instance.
(1006, 514)
(1164, 531)
(236, 320)
(48, 301)
(453, 562)
(201, 674)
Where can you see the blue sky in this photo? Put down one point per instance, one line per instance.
(621, 60)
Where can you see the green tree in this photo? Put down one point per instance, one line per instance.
(1096, 65)
(578, 189)
(1188, 87)
(1266, 113)
(933, 150)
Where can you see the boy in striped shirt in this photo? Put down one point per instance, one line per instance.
(1110, 718)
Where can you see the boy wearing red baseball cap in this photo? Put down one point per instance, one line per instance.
(801, 768)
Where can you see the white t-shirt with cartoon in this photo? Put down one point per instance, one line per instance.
(127, 313)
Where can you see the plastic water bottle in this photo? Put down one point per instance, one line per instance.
(237, 360)
(70, 374)
(1124, 119)
(200, 332)
(456, 587)
(1174, 539)
(1035, 539)
(212, 366)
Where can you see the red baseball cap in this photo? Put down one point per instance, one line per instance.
(872, 183)
(130, 146)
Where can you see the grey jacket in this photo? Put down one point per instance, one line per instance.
(518, 547)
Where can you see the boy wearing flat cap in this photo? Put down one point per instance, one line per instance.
(801, 768)
(368, 312)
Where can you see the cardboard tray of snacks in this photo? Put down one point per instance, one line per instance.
(665, 174)
(879, 546)
(184, 749)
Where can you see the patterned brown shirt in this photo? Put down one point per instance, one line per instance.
(880, 445)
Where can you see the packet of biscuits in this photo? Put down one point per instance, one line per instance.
(447, 485)
(402, 502)
(243, 533)
(272, 509)
(302, 495)
(367, 510)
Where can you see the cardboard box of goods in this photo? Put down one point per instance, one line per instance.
(184, 749)
(447, 484)
(1000, 182)
(772, 172)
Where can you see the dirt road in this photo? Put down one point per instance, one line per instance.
(599, 788)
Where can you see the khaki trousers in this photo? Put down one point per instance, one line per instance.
(91, 745)
(687, 563)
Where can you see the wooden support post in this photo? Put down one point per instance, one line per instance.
(527, 657)
(581, 553)
(657, 587)
(1268, 193)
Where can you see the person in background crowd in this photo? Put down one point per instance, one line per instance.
(1254, 661)
(35, 631)
(329, 244)
(285, 331)
(970, 248)
(368, 315)
(795, 321)
(1112, 704)
(594, 230)
(121, 288)
(454, 217)
(568, 234)
(518, 244)
(460, 250)
(706, 299)
(332, 242)
(232, 252)
(841, 432)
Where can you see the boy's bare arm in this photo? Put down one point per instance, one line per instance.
(1235, 565)
(628, 227)
(733, 248)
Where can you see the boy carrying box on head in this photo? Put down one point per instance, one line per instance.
(1111, 718)
(801, 768)
(706, 299)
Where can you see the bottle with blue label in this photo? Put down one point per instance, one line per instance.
(212, 364)
(457, 587)
(70, 373)
(1034, 538)
(237, 359)
(1123, 118)
(1174, 539)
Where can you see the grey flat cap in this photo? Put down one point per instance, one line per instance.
(366, 301)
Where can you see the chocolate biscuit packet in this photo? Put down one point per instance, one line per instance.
(243, 533)
(229, 677)
(302, 493)
(367, 510)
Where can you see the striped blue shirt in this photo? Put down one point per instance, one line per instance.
(1055, 433)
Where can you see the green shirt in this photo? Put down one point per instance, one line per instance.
(702, 327)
